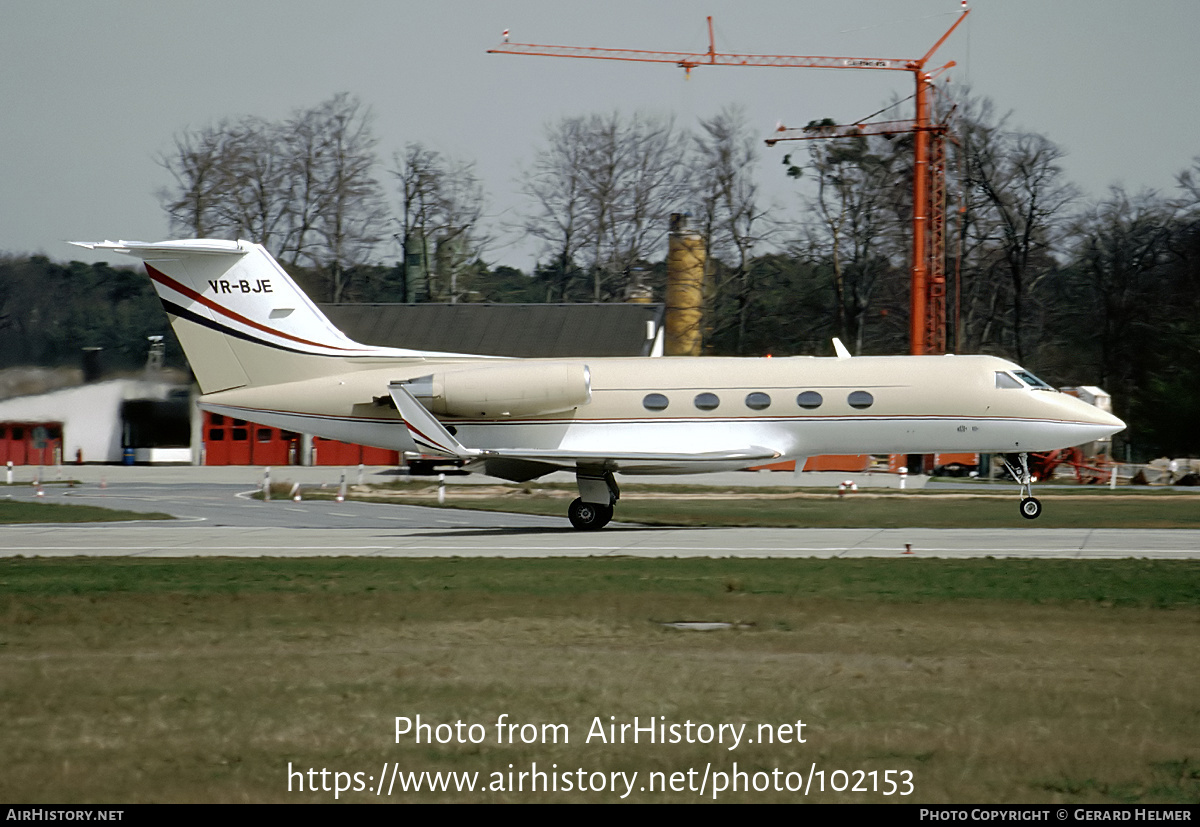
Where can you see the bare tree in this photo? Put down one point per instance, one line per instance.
(305, 188)
(558, 216)
(304, 148)
(1185, 243)
(855, 220)
(726, 199)
(1189, 183)
(197, 164)
(1018, 195)
(255, 199)
(442, 206)
(1121, 252)
(351, 214)
(601, 190)
(633, 179)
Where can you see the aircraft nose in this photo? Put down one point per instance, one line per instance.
(1092, 415)
(1109, 421)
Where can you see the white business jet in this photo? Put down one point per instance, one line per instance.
(262, 351)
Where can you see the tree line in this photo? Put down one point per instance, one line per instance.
(1103, 291)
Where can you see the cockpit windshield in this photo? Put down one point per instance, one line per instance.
(1031, 380)
(1006, 380)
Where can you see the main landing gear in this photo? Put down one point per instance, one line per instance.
(598, 494)
(589, 516)
(1031, 509)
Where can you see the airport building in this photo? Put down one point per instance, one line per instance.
(119, 420)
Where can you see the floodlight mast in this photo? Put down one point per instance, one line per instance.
(925, 334)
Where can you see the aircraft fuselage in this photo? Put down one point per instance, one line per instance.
(797, 406)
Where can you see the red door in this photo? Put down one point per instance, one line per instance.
(226, 441)
(18, 444)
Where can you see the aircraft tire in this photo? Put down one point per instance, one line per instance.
(589, 516)
(1031, 509)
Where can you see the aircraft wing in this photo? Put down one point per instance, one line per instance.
(433, 437)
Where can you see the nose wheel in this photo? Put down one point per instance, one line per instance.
(1031, 508)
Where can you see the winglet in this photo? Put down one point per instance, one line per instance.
(840, 349)
(429, 434)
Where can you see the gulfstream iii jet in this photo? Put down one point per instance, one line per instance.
(262, 351)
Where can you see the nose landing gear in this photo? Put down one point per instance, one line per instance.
(1031, 508)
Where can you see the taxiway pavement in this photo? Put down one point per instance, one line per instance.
(215, 518)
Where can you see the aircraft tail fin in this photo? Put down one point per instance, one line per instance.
(240, 317)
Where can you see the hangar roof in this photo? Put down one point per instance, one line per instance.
(528, 330)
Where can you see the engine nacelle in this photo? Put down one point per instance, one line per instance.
(519, 389)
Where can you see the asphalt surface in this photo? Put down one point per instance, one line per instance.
(216, 517)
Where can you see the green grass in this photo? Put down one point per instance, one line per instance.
(1141, 583)
(992, 681)
(16, 511)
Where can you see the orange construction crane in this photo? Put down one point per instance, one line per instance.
(927, 153)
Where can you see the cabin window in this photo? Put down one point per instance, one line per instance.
(707, 401)
(809, 400)
(860, 399)
(216, 434)
(239, 434)
(263, 434)
(655, 402)
(217, 419)
(1004, 381)
(757, 401)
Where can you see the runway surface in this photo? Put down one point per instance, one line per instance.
(217, 519)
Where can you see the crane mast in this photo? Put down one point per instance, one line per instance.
(927, 321)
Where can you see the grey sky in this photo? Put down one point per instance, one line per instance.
(91, 91)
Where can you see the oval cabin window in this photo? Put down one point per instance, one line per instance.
(655, 402)
(860, 400)
(757, 401)
(809, 400)
(707, 401)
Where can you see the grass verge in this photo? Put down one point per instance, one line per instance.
(16, 511)
(990, 681)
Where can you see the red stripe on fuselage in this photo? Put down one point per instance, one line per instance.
(165, 280)
(433, 443)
